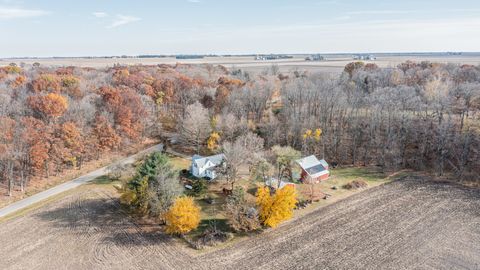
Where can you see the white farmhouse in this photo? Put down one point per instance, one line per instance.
(204, 167)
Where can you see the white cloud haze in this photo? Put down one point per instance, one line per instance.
(100, 14)
(7, 13)
(122, 20)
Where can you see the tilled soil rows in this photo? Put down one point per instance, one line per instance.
(408, 224)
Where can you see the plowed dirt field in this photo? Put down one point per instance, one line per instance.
(408, 224)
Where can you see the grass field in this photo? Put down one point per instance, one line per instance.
(179, 163)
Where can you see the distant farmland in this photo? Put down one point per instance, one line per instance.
(334, 63)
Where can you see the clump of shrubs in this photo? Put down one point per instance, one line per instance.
(118, 170)
(211, 237)
(210, 199)
(301, 204)
(199, 188)
(355, 184)
(242, 216)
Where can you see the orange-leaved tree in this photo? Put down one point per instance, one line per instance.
(183, 216)
(72, 139)
(51, 105)
(45, 83)
(105, 135)
(277, 207)
(36, 135)
(19, 81)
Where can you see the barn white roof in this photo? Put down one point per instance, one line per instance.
(313, 166)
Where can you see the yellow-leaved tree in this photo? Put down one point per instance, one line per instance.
(183, 216)
(212, 142)
(277, 207)
(318, 134)
(307, 134)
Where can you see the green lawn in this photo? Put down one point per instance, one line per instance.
(102, 180)
(342, 176)
(338, 178)
(367, 174)
(179, 163)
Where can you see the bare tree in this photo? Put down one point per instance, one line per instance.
(246, 150)
(195, 127)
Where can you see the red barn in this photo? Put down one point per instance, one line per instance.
(313, 170)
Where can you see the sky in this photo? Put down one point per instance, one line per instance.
(44, 28)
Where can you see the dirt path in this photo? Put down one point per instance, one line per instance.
(409, 224)
(70, 184)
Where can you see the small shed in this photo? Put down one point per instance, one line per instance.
(273, 183)
(313, 170)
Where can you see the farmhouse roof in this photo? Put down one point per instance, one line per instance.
(202, 161)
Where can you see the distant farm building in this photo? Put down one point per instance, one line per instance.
(364, 57)
(315, 57)
(272, 57)
(313, 170)
(206, 167)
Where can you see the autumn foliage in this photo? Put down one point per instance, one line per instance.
(105, 135)
(50, 105)
(127, 109)
(12, 69)
(36, 136)
(183, 216)
(277, 207)
(212, 142)
(59, 118)
(64, 116)
(7, 126)
(46, 83)
(19, 81)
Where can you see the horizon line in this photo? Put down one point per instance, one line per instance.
(239, 54)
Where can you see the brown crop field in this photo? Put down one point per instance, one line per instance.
(411, 223)
(333, 64)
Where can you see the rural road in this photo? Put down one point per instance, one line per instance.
(71, 184)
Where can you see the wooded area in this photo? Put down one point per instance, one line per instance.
(423, 116)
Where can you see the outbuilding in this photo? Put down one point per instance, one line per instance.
(313, 170)
(275, 184)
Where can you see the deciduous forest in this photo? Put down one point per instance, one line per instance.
(422, 116)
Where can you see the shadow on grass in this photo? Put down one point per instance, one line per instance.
(205, 224)
(252, 191)
(104, 217)
(220, 223)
